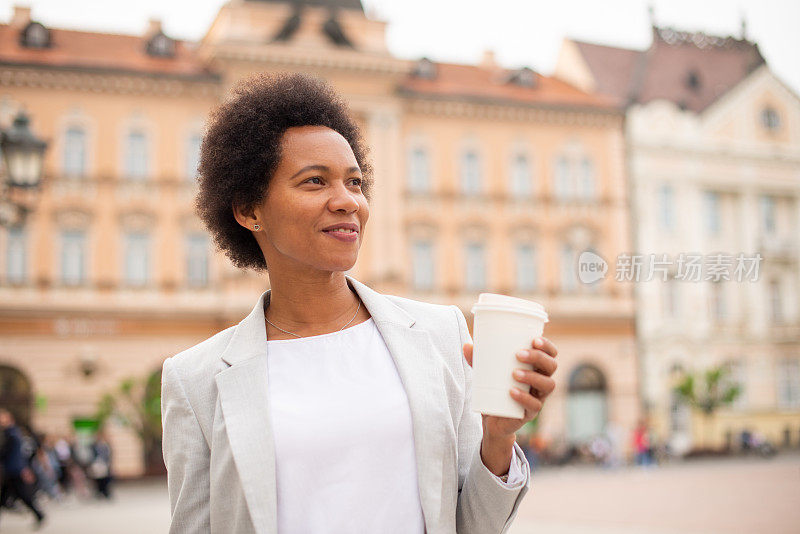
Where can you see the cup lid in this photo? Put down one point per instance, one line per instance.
(493, 300)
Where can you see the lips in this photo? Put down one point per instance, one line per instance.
(345, 225)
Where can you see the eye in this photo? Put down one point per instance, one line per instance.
(358, 181)
(314, 178)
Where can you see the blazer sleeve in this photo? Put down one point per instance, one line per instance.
(485, 504)
(187, 457)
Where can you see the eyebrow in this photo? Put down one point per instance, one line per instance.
(320, 168)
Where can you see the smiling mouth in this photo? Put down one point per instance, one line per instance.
(341, 231)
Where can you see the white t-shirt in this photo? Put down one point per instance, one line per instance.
(344, 446)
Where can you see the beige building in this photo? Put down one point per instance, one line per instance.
(713, 142)
(487, 179)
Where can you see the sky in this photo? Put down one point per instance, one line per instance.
(520, 32)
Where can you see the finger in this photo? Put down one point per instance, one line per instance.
(544, 385)
(541, 361)
(467, 349)
(546, 345)
(528, 401)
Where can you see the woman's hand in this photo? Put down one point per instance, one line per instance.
(541, 356)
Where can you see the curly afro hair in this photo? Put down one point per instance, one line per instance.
(242, 147)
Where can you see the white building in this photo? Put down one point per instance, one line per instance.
(713, 142)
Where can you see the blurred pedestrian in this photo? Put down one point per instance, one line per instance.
(47, 469)
(18, 478)
(99, 470)
(641, 443)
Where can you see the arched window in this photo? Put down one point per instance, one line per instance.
(418, 169)
(470, 172)
(526, 273)
(16, 255)
(137, 258)
(74, 252)
(192, 155)
(574, 174)
(75, 151)
(586, 377)
(587, 405)
(475, 253)
(423, 264)
(197, 248)
(520, 176)
(136, 155)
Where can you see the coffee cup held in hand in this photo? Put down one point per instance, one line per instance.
(503, 325)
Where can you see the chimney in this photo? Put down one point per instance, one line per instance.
(488, 60)
(21, 17)
(153, 27)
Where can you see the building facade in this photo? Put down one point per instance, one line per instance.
(487, 180)
(713, 148)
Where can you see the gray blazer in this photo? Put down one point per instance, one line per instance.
(219, 449)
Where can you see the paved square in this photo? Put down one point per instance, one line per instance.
(749, 496)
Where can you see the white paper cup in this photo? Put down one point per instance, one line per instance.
(503, 325)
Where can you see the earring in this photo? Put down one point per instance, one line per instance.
(256, 227)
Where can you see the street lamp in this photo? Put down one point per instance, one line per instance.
(23, 156)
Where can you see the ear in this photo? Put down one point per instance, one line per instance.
(245, 215)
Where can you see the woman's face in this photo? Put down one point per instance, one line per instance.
(316, 184)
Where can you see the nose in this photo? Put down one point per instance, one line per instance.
(342, 199)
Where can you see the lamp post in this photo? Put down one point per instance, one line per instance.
(23, 158)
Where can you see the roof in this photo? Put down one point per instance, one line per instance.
(612, 68)
(346, 4)
(692, 70)
(456, 81)
(101, 51)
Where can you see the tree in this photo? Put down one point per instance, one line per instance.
(715, 391)
(136, 404)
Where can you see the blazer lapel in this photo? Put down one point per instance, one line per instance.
(243, 392)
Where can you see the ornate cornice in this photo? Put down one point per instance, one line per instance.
(107, 81)
(342, 60)
(483, 108)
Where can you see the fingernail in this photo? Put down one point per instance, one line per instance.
(537, 342)
(518, 374)
(522, 353)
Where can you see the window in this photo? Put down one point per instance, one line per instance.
(16, 255)
(767, 209)
(476, 266)
(137, 258)
(775, 302)
(666, 207)
(520, 176)
(574, 177)
(788, 382)
(586, 186)
(712, 212)
(770, 119)
(470, 173)
(136, 157)
(192, 156)
(197, 260)
(418, 175)
(422, 264)
(671, 298)
(562, 185)
(525, 267)
(73, 257)
(717, 301)
(568, 268)
(75, 152)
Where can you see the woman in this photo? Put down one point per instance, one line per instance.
(330, 408)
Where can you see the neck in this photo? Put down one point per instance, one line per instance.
(310, 306)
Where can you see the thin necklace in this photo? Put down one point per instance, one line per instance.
(342, 328)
